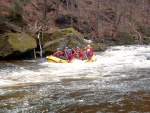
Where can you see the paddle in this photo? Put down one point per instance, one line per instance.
(75, 53)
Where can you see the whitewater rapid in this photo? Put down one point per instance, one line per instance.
(117, 82)
(112, 60)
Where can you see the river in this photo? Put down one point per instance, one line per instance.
(119, 81)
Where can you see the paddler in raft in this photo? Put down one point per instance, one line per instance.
(68, 54)
(58, 53)
(79, 53)
(89, 52)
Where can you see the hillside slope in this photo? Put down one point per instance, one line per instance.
(96, 19)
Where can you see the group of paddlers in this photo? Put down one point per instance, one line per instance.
(69, 54)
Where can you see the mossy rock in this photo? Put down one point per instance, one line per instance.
(61, 38)
(57, 34)
(146, 39)
(8, 27)
(16, 44)
(124, 38)
(145, 30)
(5, 47)
(98, 46)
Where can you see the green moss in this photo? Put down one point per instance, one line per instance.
(16, 42)
(67, 31)
(146, 39)
(145, 30)
(56, 34)
(21, 41)
(52, 48)
(61, 38)
(5, 47)
(2, 41)
(124, 38)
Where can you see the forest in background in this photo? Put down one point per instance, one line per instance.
(96, 19)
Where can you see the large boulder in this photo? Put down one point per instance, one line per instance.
(14, 42)
(61, 38)
(66, 37)
(124, 38)
(145, 30)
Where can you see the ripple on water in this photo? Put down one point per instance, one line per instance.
(117, 82)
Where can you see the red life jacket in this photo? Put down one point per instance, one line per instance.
(90, 52)
(58, 54)
(78, 50)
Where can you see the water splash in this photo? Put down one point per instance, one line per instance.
(113, 59)
(119, 79)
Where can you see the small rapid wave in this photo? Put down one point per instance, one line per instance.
(113, 59)
(119, 79)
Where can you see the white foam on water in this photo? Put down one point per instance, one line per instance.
(113, 59)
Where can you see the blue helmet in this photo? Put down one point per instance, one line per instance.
(69, 50)
(66, 47)
(58, 49)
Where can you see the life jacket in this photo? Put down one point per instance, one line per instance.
(58, 54)
(69, 52)
(70, 55)
(89, 49)
(78, 50)
(89, 52)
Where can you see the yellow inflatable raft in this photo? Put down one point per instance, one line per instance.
(59, 60)
(55, 59)
(93, 59)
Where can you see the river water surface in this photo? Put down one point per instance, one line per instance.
(119, 81)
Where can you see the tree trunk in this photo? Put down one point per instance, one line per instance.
(44, 11)
(140, 36)
(79, 14)
(72, 8)
(67, 3)
(57, 8)
(97, 17)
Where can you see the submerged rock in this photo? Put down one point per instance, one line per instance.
(148, 58)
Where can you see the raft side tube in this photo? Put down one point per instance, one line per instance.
(55, 59)
(93, 59)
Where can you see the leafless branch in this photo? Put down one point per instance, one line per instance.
(140, 37)
(35, 5)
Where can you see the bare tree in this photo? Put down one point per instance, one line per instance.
(97, 3)
(57, 7)
(72, 11)
(44, 11)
